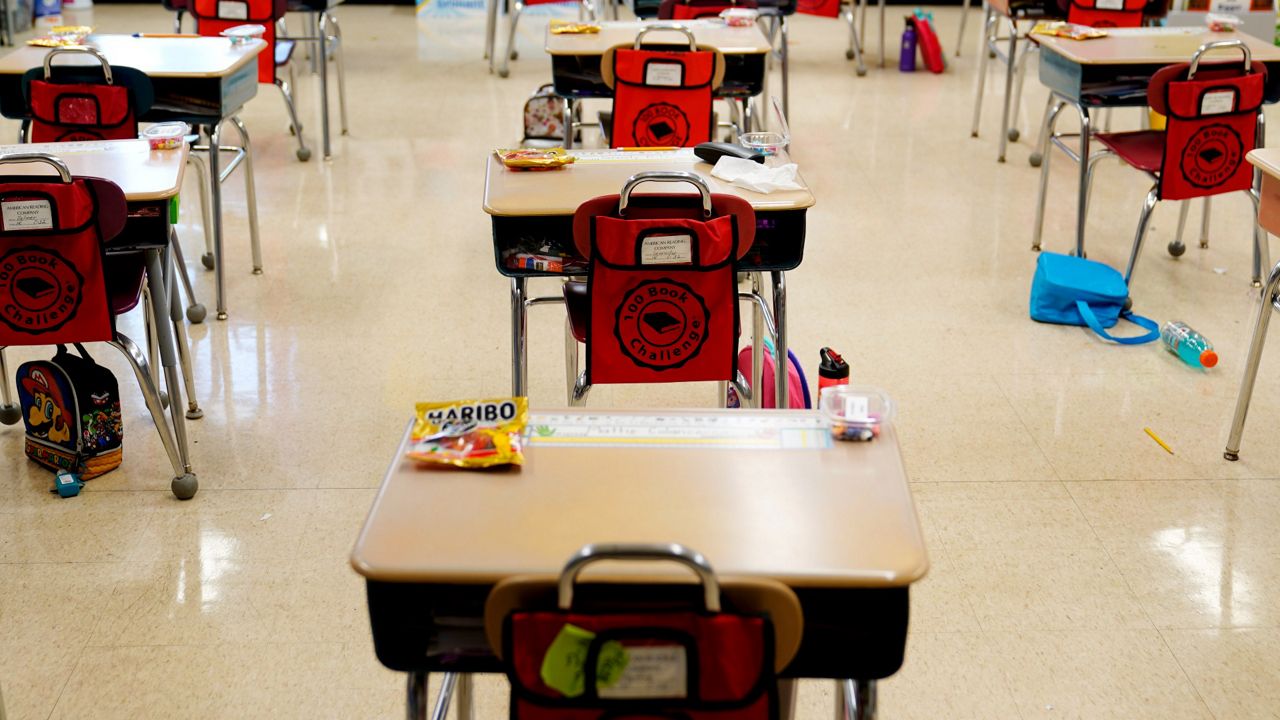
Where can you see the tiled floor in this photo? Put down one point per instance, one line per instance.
(1079, 571)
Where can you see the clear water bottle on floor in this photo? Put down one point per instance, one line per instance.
(1193, 348)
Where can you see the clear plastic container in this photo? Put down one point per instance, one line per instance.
(855, 412)
(242, 34)
(740, 17)
(166, 135)
(768, 143)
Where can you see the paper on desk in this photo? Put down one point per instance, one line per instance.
(751, 175)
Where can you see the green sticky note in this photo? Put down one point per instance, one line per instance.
(173, 209)
(562, 666)
(611, 663)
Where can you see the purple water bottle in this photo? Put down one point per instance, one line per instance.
(907, 58)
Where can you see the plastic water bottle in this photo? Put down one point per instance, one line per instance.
(832, 370)
(907, 58)
(1194, 348)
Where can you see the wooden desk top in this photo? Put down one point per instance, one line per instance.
(1152, 46)
(196, 57)
(711, 32)
(831, 518)
(1267, 160)
(142, 173)
(560, 192)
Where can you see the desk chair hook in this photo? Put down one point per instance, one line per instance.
(31, 157)
(674, 27)
(1219, 45)
(665, 176)
(673, 552)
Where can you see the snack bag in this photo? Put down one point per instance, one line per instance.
(534, 158)
(470, 433)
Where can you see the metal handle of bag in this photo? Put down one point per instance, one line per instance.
(1219, 45)
(79, 50)
(693, 44)
(21, 158)
(672, 552)
(665, 176)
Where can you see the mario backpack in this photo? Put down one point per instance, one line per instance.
(71, 409)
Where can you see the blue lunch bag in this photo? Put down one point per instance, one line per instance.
(1069, 290)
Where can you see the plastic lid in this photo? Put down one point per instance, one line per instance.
(832, 365)
(1208, 358)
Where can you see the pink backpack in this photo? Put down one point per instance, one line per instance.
(797, 385)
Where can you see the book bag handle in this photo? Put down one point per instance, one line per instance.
(64, 172)
(1153, 329)
(62, 350)
(664, 176)
(672, 552)
(693, 44)
(77, 49)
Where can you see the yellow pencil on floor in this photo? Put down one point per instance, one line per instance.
(1156, 437)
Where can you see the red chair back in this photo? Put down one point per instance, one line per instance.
(52, 232)
(662, 97)
(662, 284)
(214, 16)
(1106, 13)
(1212, 124)
(75, 109)
(694, 9)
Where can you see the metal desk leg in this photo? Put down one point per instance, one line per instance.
(859, 698)
(1047, 132)
(215, 215)
(184, 483)
(964, 20)
(490, 30)
(882, 47)
(519, 337)
(10, 413)
(1011, 69)
(322, 45)
(1260, 323)
(781, 363)
(463, 690)
(787, 699)
(1082, 208)
(447, 685)
(180, 333)
(416, 696)
(980, 83)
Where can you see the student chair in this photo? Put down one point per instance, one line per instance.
(662, 96)
(660, 303)
(214, 16)
(323, 30)
(1214, 120)
(707, 650)
(1269, 301)
(587, 9)
(84, 103)
(58, 286)
(1021, 16)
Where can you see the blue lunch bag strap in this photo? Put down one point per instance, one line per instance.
(1153, 329)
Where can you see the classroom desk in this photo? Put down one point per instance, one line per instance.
(837, 525)
(203, 81)
(534, 209)
(1113, 71)
(149, 179)
(575, 58)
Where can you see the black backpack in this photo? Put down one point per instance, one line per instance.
(71, 408)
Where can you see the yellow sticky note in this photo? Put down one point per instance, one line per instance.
(563, 666)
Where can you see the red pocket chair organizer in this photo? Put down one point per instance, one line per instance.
(694, 9)
(75, 106)
(661, 98)
(1213, 114)
(52, 285)
(214, 16)
(662, 299)
(1106, 13)
(682, 660)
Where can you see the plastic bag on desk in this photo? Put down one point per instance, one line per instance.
(750, 175)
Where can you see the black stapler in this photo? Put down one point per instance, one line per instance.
(711, 152)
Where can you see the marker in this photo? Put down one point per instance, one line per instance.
(664, 148)
(1155, 437)
(165, 35)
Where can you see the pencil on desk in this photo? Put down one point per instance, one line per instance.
(664, 148)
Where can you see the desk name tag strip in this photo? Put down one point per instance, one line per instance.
(725, 431)
(593, 157)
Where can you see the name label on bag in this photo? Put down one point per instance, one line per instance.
(667, 250)
(658, 671)
(233, 10)
(26, 215)
(665, 74)
(1110, 4)
(1217, 102)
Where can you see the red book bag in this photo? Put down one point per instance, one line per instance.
(694, 9)
(1212, 124)
(68, 109)
(662, 285)
(662, 97)
(1106, 13)
(214, 16)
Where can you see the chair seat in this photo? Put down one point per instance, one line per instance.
(125, 276)
(284, 50)
(1141, 149)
